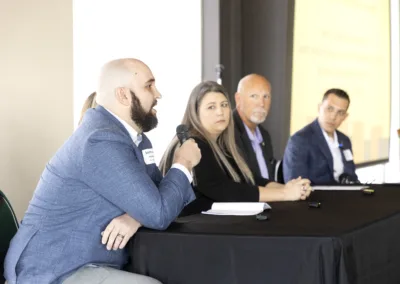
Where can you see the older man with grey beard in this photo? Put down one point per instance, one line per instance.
(253, 100)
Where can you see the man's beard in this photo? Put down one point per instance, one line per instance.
(144, 120)
(253, 118)
(257, 120)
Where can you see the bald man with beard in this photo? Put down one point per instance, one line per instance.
(253, 101)
(100, 187)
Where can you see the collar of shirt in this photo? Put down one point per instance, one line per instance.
(255, 138)
(135, 136)
(334, 142)
(334, 147)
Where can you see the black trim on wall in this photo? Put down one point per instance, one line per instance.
(210, 44)
(372, 163)
(257, 37)
(231, 44)
(267, 30)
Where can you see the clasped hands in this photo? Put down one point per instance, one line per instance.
(297, 189)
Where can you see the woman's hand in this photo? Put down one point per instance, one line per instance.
(297, 189)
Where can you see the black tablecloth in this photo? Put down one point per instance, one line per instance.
(352, 238)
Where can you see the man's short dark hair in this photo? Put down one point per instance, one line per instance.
(337, 92)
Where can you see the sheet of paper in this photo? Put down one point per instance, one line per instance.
(237, 208)
(339, 187)
(231, 213)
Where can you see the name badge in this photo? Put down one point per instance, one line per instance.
(348, 155)
(148, 156)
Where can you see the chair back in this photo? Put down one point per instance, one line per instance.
(279, 171)
(8, 228)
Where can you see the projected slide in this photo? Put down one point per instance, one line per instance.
(344, 44)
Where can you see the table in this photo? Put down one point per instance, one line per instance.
(352, 238)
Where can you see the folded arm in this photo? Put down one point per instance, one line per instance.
(111, 168)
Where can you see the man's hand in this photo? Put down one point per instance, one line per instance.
(188, 154)
(119, 231)
(297, 189)
(306, 183)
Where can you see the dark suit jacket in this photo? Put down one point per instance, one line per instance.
(214, 184)
(308, 155)
(244, 144)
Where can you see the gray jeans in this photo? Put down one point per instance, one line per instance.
(93, 274)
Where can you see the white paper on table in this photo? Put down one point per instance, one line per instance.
(237, 208)
(339, 187)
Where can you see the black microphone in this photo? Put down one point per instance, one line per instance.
(348, 179)
(182, 133)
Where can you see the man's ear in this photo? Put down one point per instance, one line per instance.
(237, 99)
(122, 96)
(345, 116)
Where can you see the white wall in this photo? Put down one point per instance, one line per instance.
(35, 91)
(166, 35)
(390, 172)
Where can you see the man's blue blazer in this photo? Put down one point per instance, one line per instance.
(97, 175)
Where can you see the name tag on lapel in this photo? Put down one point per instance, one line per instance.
(348, 155)
(148, 156)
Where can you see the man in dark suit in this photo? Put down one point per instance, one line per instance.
(253, 100)
(319, 151)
